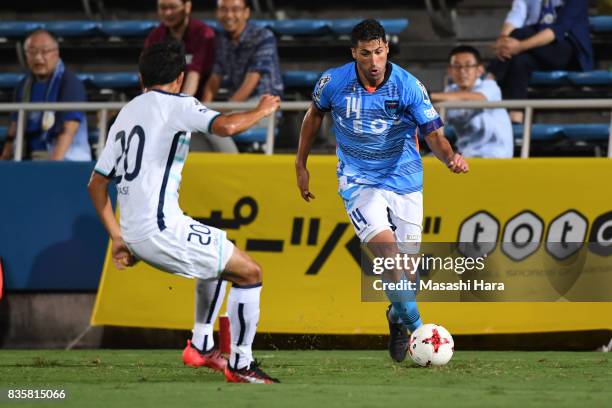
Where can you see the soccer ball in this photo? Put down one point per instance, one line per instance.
(431, 344)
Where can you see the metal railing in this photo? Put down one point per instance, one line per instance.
(528, 106)
(104, 107)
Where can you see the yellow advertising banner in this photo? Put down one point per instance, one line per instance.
(309, 252)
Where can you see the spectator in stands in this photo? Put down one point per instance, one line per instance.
(198, 38)
(49, 135)
(247, 57)
(540, 35)
(480, 132)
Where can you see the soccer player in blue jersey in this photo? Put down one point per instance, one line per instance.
(378, 109)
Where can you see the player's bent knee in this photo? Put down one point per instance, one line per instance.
(242, 270)
(255, 273)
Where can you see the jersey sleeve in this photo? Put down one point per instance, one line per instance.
(107, 160)
(192, 116)
(322, 93)
(419, 106)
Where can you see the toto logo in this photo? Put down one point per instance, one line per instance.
(524, 232)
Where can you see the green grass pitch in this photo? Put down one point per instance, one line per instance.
(318, 379)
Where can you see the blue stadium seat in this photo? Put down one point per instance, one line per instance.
(115, 80)
(10, 80)
(85, 78)
(449, 133)
(587, 132)
(590, 78)
(128, 28)
(344, 26)
(263, 23)
(92, 135)
(214, 24)
(550, 78)
(300, 79)
(540, 132)
(301, 27)
(18, 29)
(394, 26)
(3, 133)
(251, 136)
(601, 24)
(83, 28)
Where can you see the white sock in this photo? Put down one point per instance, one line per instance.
(209, 296)
(243, 311)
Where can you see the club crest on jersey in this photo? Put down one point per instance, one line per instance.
(320, 85)
(392, 106)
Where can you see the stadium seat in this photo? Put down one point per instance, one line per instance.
(92, 135)
(300, 79)
(140, 28)
(549, 78)
(601, 24)
(590, 78)
(344, 26)
(3, 133)
(214, 24)
(540, 132)
(85, 78)
(18, 29)
(128, 28)
(83, 28)
(394, 26)
(449, 133)
(115, 80)
(300, 27)
(592, 132)
(254, 135)
(263, 23)
(10, 80)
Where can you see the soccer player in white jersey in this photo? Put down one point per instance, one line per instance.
(144, 155)
(377, 110)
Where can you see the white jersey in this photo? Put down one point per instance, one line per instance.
(145, 152)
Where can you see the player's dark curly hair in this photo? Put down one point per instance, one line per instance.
(467, 49)
(368, 30)
(161, 63)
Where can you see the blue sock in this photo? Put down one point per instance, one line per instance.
(404, 309)
(406, 313)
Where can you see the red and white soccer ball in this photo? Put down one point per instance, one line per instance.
(431, 344)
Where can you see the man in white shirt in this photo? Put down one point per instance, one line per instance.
(480, 132)
(144, 155)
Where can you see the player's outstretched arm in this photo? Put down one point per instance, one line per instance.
(98, 191)
(444, 152)
(310, 127)
(234, 123)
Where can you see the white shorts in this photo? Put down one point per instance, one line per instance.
(187, 248)
(373, 210)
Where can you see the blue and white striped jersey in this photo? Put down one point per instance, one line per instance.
(376, 132)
